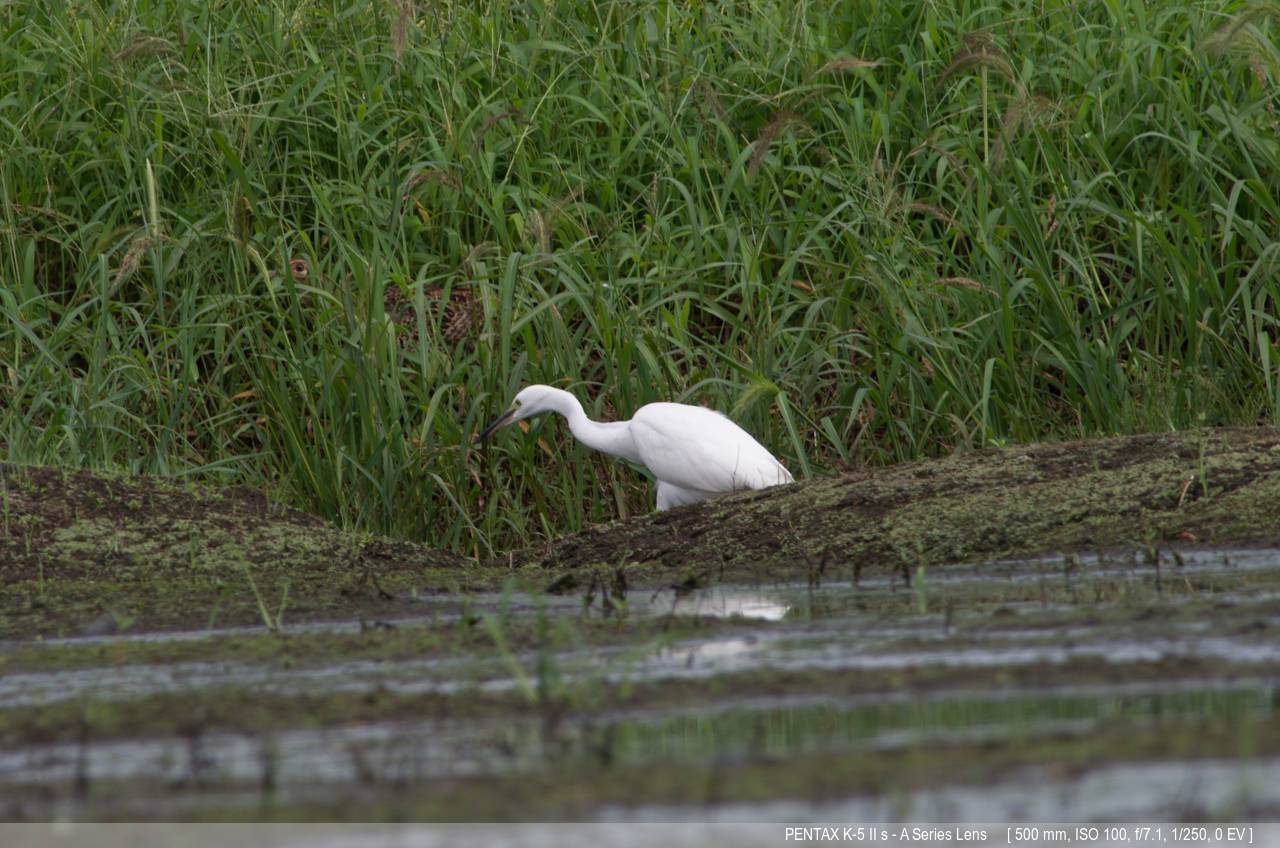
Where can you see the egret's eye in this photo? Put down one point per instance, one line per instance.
(516, 404)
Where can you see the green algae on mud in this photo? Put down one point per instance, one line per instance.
(87, 552)
(1217, 487)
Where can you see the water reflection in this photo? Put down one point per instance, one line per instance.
(837, 629)
(326, 762)
(1168, 791)
(718, 602)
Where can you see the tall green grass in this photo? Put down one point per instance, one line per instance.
(869, 231)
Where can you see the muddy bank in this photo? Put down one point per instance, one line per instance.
(1211, 487)
(85, 553)
(761, 649)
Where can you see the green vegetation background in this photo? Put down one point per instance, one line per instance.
(870, 231)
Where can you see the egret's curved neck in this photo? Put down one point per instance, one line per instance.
(611, 437)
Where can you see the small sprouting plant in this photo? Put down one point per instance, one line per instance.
(919, 589)
(275, 622)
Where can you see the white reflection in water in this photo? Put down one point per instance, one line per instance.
(721, 602)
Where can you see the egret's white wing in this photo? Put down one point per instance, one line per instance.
(696, 448)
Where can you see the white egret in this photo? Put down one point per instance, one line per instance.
(693, 452)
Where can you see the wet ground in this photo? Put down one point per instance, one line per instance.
(1080, 688)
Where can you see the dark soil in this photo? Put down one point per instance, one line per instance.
(1213, 487)
(90, 553)
(1135, 656)
(82, 552)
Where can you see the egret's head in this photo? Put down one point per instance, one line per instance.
(532, 400)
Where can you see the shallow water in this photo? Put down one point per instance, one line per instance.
(773, 602)
(1167, 791)
(841, 644)
(326, 762)
(1149, 636)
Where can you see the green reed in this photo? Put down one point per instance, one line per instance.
(869, 232)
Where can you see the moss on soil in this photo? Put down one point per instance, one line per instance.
(89, 553)
(150, 554)
(85, 553)
(1210, 487)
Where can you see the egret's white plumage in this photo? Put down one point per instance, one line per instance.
(693, 452)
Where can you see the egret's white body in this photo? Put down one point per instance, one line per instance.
(694, 453)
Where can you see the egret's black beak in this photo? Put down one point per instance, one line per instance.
(495, 424)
